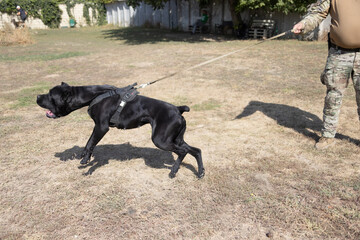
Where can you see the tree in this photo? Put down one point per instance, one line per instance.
(284, 6)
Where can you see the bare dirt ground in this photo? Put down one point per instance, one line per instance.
(256, 116)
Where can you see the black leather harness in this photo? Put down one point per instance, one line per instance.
(127, 94)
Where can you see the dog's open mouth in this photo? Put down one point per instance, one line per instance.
(50, 114)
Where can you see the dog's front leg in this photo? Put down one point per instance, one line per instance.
(97, 134)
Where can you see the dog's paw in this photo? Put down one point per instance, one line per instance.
(81, 156)
(172, 174)
(84, 161)
(201, 173)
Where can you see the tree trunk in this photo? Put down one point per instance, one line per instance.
(236, 18)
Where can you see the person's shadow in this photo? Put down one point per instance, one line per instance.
(291, 117)
(153, 157)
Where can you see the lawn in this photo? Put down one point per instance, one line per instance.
(255, 115)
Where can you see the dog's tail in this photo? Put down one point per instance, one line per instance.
(183, 109)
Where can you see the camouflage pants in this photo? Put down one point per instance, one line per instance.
(341, 66)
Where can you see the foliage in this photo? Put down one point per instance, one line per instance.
(99, 11)
(156, 4)
(97, 6)
(49, 12)
(284, 6)
(70, 5)
(237, 6)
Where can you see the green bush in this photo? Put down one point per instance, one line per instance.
(50, 13)
(97, 6)
(99, 11)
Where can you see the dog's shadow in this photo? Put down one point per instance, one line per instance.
(102, 154)
(299, 120)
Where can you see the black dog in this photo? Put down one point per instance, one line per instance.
(168, 124)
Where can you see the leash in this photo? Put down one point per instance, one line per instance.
(213, 60)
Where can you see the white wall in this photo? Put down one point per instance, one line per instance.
(33, 23)
(122, 15)
(77, 12)
(182, 13)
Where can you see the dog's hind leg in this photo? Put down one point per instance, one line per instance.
(180, 151)
(175, 143)
(196, 153)
(165, 136)
(183, 147)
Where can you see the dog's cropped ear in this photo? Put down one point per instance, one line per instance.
(66, 90)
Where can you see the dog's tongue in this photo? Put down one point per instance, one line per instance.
(49, 114)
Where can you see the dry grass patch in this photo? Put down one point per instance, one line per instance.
(11, 36)
(255, 116)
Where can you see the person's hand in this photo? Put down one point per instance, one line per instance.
(298, 28)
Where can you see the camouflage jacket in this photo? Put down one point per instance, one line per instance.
(345, 21)
(316, 14)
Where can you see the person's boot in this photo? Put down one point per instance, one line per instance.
(324, 143)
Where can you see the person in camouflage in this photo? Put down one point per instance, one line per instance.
(343, 60)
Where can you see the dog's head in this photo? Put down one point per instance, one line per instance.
(57, 101)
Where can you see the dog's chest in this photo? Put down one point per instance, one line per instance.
(124, 124)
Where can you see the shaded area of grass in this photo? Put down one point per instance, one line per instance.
(139, 35)
(153, 157)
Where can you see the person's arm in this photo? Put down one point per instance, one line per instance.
(316, 14)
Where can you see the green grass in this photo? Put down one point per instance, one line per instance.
(41, 57)
(262, 171)
(27, 96)
(58, 69)
(210, 104)
(180, 100)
